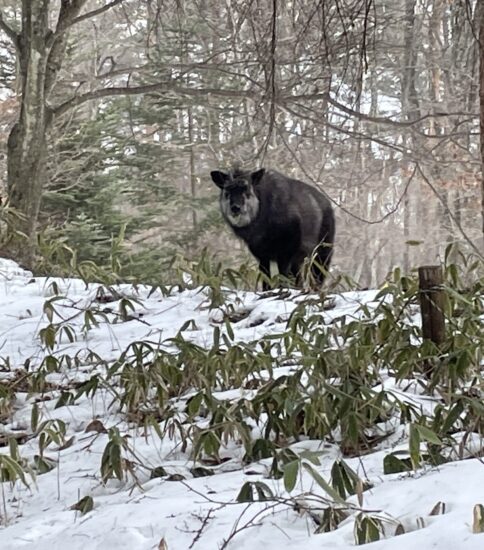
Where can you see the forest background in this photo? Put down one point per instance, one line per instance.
(113, 113)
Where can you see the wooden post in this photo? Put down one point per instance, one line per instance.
(432, 303)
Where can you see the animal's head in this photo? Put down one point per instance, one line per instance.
(238, 198)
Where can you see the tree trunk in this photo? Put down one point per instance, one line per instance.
(411, 110)
(26, 176)
(40, 54)
(27, 140)
(409, 74)
(435, 61)
(481, 101)
(193, 177)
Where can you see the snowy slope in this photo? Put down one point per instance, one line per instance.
(195, 512)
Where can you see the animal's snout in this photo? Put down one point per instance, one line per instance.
(235, 209)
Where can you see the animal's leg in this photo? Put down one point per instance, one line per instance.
(323, 258)
(296, 273)
(325, 249)
(285, 268)
(265, 269)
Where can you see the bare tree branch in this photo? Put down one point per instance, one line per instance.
(309, 114)
(448, 211)
(58, 40)
(272, 86)
(148, 88)
(242, 94)
(339, 205)
(93, 13)
(379, 120)
(67, 14)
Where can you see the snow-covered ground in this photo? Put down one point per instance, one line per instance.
(187, 512)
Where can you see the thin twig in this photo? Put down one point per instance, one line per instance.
(448, 211)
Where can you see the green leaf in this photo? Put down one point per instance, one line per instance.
(245, 493)
(427, 434)
(330, 519)
(337, 479)
(312, 456)
(216, 338)
(158, 471)
(90, 320)
(111, 461)
(65, 398)
(458, 297)
(260, 449)
(115, 461)
(69, 332)
(84, 505)
(414, 446)
(394, 465)
(323, 484)
(452, 417)
(13, 448)
(185, 325)
(290, 475)
(43, 465)
(11, 470)
(34, 417)
(200, 471)
(366, 529)
(264, 492)
(49, 311)
(228, 328)
(209, 442)
(51, 363)
(47, 336)
(194, 403)
(354, 427)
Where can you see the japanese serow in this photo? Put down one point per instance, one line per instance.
(280, 219)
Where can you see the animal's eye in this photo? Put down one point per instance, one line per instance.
(226, 194)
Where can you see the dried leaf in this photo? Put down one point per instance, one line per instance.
(478, 521)
(438, 509)
(84, 505)
(175, 477)
(68, 443)
(96, 426)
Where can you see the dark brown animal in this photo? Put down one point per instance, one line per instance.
(281, 219)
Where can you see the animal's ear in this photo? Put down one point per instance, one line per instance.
(219, 178)
(257, 176)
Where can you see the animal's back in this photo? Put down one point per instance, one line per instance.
(296, 200)
(294, 218)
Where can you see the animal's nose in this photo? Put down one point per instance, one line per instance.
(235, 209)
